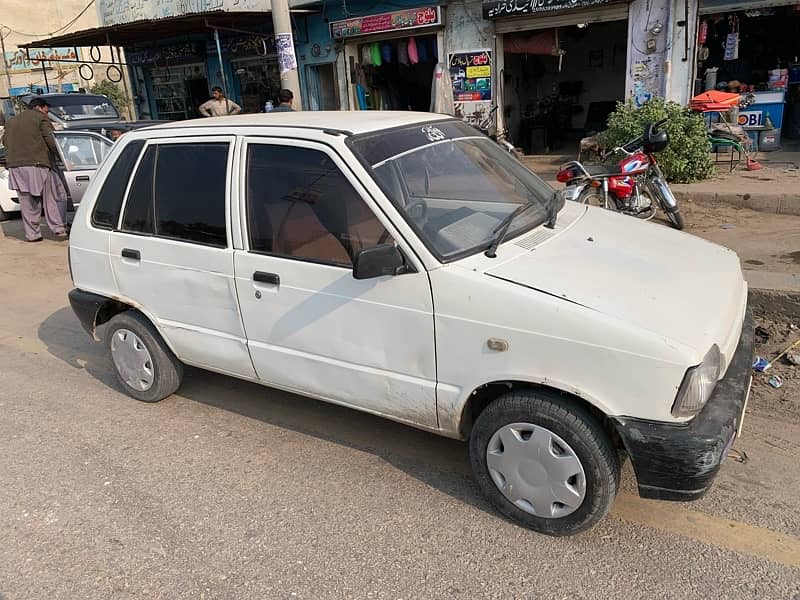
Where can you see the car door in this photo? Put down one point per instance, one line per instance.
(81, 152)
(311, 326)
(171, 253)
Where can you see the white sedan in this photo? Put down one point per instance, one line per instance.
(80, 153)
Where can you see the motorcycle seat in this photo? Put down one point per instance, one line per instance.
(597, 170)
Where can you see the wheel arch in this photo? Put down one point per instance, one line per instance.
(94, 310)
(485, 394)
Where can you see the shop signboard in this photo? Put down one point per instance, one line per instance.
(400, 20)
(20, 60)
(42, 89)
(471, 73)
(493, 9)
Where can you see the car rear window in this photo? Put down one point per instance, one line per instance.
(109, 200)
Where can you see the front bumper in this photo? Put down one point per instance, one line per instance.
(679, 462)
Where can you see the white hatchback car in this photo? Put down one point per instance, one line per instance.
(404, 265)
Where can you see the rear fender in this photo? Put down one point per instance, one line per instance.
(93, 310)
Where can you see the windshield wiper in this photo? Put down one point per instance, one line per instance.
(502, 229)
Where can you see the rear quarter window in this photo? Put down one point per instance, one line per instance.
(109, 200)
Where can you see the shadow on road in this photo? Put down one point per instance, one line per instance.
(438, 462)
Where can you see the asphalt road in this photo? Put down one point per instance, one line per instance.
(232, 490)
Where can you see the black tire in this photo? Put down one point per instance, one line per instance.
(676, 218)
(575, 426)
(3, 215)
(594, 197)
(167, 370)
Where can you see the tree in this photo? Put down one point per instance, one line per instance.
(113, 92)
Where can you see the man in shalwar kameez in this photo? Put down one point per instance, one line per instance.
(30, 158)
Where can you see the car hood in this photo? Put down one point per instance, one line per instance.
(670, 283)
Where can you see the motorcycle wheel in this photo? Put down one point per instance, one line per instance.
(656, 188)
(676, 219)
(594, 197)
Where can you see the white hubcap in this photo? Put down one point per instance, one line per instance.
(132, 360)
(536, 470)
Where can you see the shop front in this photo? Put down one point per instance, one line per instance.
(564, 68)
(753, 48)
(174, 56)
(172, 78)
(378, 61)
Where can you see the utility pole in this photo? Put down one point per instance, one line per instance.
(5, 62)
(284, 43)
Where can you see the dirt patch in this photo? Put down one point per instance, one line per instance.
(776, 317)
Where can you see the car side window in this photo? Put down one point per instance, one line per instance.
(179, 193)
(109, 200)
(81, 151)
(300, 205)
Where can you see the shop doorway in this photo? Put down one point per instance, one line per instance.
(178, 91)
(323, 87)
(397, 74)
(560, 84)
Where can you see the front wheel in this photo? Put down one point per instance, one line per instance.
(544, 462)
(676, 219)
(666, 199)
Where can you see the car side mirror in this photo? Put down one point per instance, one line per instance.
(378, 262)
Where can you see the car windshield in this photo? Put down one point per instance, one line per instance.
(82, 107)
(454, 185)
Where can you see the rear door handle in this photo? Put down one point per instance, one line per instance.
(132, 254)
(262, 277)
(82, 178)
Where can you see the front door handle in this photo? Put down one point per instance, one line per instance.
(82, 178)
(132, 254)
(262, 277)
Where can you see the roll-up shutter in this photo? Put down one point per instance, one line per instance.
(601, 14)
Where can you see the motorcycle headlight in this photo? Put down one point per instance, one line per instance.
(698, 384)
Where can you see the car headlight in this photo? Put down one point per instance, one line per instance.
(698, 384)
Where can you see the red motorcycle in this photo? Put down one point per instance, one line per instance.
(635, 186)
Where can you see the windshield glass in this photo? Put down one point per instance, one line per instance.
(454, 185)
(82, 107)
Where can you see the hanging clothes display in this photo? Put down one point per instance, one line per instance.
(402, 53)
(366, 55)
(422, 50)
(376, 54)
(386, 52)
(413, 55)
(442, 100)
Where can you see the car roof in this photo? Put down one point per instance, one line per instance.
(354, 122)
(62, 95)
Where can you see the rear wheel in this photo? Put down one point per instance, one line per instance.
(544, 462)
(145, 367)
(594, 197)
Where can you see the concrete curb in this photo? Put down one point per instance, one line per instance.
(771, 202)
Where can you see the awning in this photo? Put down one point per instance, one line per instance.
(126, 34)
(712, 7)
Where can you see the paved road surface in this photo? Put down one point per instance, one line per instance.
(231, 490)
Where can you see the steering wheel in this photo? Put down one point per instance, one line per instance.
(417, 210)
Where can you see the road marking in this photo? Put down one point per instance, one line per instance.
(715, 531)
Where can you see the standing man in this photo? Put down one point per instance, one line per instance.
(285, 97)
(30, 157)
(219, 105)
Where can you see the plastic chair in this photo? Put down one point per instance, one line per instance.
(717, 142)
